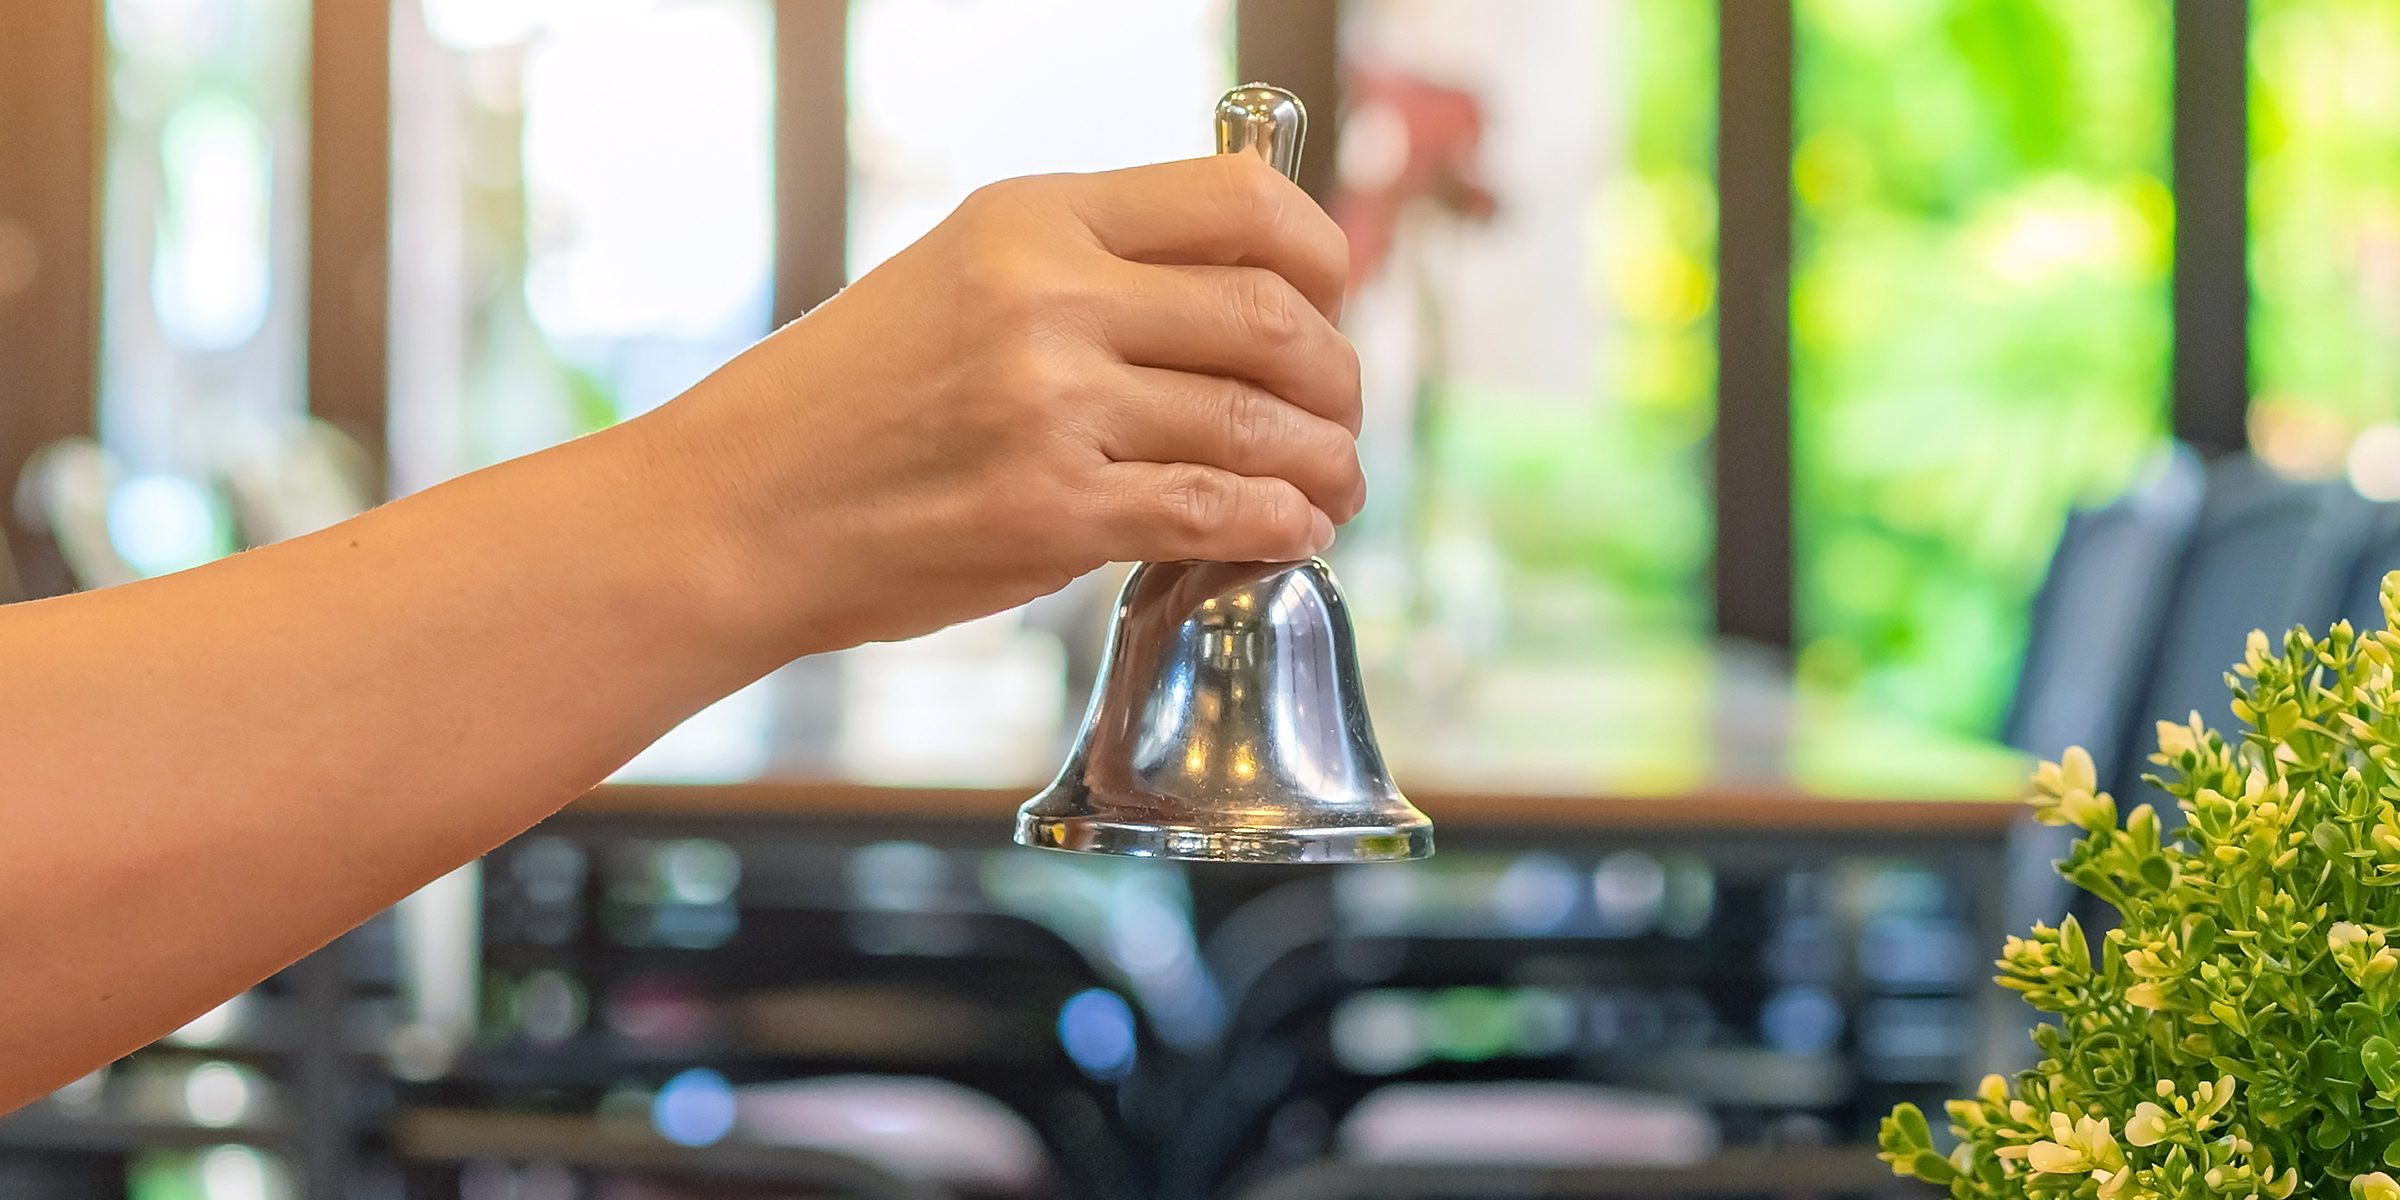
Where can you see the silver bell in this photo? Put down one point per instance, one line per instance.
(1228, 724)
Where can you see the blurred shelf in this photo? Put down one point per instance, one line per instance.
(37, 1128)
(458, 1135)
(1734, 1172)
(1762, 809)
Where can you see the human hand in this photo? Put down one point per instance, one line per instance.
(1068, 371)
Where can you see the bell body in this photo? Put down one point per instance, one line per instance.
(1229, 724)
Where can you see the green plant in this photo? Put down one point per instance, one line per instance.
(2238, 1035)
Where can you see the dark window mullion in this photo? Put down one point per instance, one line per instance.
(349, 219)
(812, 153)
(2212, 280)
(1753, 442)
(50, 70)
(1296, 45)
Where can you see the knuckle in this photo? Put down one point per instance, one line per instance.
(1269, 310)
(1020, 289)
(1262, 188)
(1253, 192)
(1350, 386)
(1000, 197)
(1198, 504)
(1248, 423)
(1032, 383)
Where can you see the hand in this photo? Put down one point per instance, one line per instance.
(1070, 370)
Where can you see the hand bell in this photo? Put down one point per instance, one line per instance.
(1228, 723)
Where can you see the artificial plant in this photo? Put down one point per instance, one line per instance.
(2239, 1032)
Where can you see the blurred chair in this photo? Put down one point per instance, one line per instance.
(2269, 553)
(2149, 602)
(1294, 1082)
(491, 1145)
(2362, 602)
(1781, 1172)
(876, 981)
(2093, 639)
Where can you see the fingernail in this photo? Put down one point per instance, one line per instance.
(1320, 530)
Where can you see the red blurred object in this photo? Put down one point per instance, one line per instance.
(1403, 139)
(660, 1014)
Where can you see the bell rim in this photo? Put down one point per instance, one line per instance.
(1402, 842)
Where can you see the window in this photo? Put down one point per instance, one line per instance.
(202, 392)
(949, 95)
(583, 226)
(1980, 318)
(1529, 192)
(2325, 239)
(583, 215)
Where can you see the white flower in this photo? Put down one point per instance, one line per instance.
(2148, 1126)
(2075, 768)
(2050, 1158)
(2175, 740)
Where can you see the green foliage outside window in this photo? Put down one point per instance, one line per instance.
(1981, 322)
(2325, 222)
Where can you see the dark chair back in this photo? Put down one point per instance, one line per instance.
(2095, 619)
(2093, 640)
(2362, 602)
(2270, 553)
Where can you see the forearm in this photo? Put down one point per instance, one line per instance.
(212, 773)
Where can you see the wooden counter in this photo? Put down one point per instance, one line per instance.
(1763, 809)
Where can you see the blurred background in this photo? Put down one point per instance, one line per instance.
(1784, 417)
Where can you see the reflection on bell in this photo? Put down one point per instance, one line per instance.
(1228, 724)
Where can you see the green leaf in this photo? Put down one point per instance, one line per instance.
(2143, 827)
(2391, 1153)
(2234, 1067)
(2329, 1132)
(1907, 1123)
(1932, 1168)
(2157, 873)
(2199, 939)
(2382, 1061)
(2071, 945)
(2328, 837)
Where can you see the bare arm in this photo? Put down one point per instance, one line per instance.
(210, 774)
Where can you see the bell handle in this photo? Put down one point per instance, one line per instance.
(1265, 120)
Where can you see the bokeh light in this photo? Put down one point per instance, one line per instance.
(695, 1108)
(218, 1095)
(211, 277)
(160, 524)
(949, 95)
(1096, 1029)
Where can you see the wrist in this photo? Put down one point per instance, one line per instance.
(717, 528)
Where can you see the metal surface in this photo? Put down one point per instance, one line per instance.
(1229, 725)
(1264, 120)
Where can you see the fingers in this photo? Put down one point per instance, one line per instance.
(1163, 512)
(1158, 416)
(1240, 322)
(1225, 210)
